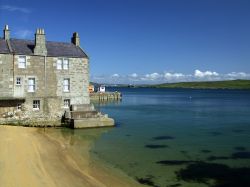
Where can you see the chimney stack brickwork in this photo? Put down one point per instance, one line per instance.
(75, 39)
(6, 32)
(40, 43)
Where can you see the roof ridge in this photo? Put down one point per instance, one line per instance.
(46, 41)
(26, 47)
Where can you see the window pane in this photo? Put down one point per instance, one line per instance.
(18, 81)
(19, 106)
(36, 104)
(66, 85)
(65, 64)
(66, 103)
(31, 85)
(59, 64)
(21, 62)
(31, 81)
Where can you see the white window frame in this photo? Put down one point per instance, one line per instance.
(19, 106)
(65, 63)
(18, 81)
(62, 64)
(66, 85)
(22, 62)
(31, 85)
(59, 63)
(66, 103)
(36, 104)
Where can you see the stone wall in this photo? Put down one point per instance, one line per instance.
(6, 75)
(49, 85)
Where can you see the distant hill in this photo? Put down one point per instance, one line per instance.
(231, 84)
(95, 84)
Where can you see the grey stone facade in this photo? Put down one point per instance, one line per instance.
(39, 79)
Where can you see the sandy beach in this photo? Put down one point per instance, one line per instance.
(30, 157)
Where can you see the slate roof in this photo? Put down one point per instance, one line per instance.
(55, 49)
(3, 46)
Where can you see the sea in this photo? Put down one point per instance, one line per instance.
(178, 137)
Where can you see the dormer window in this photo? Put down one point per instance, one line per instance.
(22, 62)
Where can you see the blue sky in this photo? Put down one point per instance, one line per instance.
(144, 41)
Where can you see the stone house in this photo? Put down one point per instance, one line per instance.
(40, 79)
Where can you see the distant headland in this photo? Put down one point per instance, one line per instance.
(226, 84)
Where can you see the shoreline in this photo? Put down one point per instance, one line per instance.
(34, 157)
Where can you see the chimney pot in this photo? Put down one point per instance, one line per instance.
(6, 32)
(75, 39)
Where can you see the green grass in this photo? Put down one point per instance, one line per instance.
(232, 84)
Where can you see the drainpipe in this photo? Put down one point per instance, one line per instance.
(45, 84)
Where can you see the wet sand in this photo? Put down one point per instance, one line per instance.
(30, 157)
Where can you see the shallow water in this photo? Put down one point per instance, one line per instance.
(162, 134)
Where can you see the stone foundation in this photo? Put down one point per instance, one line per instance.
(92, 122)
(79, 116)
(85, 116)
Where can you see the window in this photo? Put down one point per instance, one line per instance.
(66, 103)
(66, 85)
(62, 63)
(22, 62)
(18, 81)
(36, 105)
(31, 85)
(19, 106)
(65, 63)
(59, 63)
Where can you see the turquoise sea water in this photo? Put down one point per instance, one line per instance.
(179, 137)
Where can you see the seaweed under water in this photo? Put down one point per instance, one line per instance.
(205, 151)
(223, 175)
(238, 130)
(175, 162)
(215, 133)
(240, 148)
(174, 185)
(212, 158)
(153, 146)
(147, 180)
(236, 155)
(163, 138)
(241, 155)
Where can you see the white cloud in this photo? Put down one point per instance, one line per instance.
(238, 75)
(164, 77)
(115, 75)
(152, 76)
(11, 8)
(23, 33)
(133, 75)
(200, 74)
(173, 75)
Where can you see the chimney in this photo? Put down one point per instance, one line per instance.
(6, 32)
(75, 39)
(40, 43)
